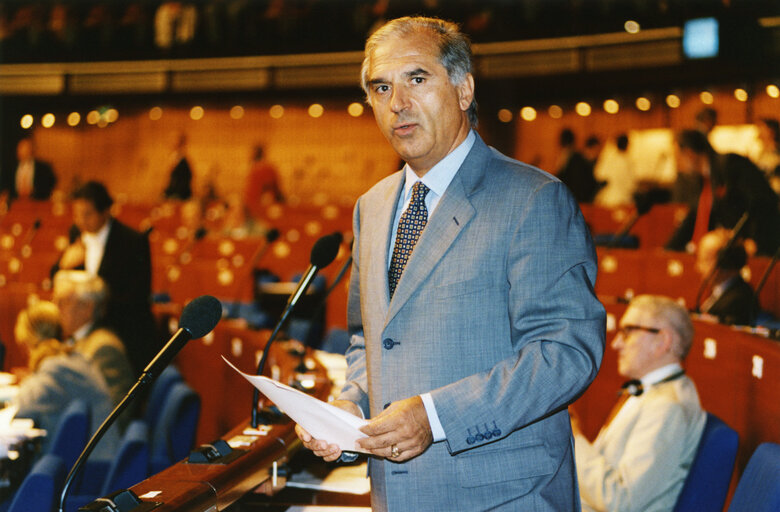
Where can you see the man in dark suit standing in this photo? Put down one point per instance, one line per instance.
(102, 245)
(31, 178)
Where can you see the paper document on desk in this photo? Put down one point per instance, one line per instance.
(321, 419)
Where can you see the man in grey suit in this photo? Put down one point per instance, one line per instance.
(641, 457)
(466, 363)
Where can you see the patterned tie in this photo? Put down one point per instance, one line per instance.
(410, 226)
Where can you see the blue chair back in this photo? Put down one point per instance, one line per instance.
(708, 480)
(127, 468)
(40, 490)
(173, 436)
(336, 341)
(131, 464)
(158, 394)
(758, 489)
(72, 434)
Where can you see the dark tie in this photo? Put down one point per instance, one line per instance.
(410, 226)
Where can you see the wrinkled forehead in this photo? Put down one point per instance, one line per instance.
(638, 315)
(397, 49)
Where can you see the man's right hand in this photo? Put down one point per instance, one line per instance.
(321, 448)
(73, 256)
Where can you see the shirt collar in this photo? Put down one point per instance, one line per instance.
(82, 331)
(659, 374)
(98, 238)
(438, 178)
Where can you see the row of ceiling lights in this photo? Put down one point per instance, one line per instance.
(104, 116)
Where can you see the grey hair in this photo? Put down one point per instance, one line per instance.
(84, 286)
(454, 49)
(673, 317)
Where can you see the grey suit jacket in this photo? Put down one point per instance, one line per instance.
(495, 315)
(640, 460)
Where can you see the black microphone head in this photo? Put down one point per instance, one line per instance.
(200, 233)
(272, 235)
(37, 224)
(73, 233)
(325, 250)
(201, 315)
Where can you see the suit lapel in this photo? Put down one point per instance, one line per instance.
(381, 214)
(451, 216)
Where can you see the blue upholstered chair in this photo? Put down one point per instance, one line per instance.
(40, 489)
(158, 394)
(758, 489)
(708, 480)
(173, 435)
(73, 432)
(130, 466)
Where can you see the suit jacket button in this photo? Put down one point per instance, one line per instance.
(388, 344)
(470, 440)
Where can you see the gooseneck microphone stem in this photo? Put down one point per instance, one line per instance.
(322, 254)
(198, 318)
(145, 378)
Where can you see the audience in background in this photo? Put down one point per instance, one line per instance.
(729, 186)
(729, 297)
(262, 185)
(574, 169)
(81, 298)
(180, 179)
(768, 160)
(642, 454)
(57, 375)
(31, 178)
(103, 246)
(616, 168)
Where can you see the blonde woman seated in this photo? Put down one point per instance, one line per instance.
(58, 375)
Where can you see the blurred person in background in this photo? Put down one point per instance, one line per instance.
(616, 168)
(57, 375)
(81, 298)
(729, 297)
(31, 178)
(729, 186)
(103, 246)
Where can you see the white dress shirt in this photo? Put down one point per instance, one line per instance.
(95, 245)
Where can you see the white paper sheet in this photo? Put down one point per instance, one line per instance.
(322, 420)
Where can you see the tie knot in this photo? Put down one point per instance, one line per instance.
(419, 191)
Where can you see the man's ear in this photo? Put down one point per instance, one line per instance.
(665, 344)
(466, 92)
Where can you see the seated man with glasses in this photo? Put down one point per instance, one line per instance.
(642, 454)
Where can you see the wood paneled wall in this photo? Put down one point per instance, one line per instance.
(335, 155)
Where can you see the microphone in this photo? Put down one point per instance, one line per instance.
(270, 237)
(73, 233)
(318, 312)
(719, 261)
(322, 254)
(198, 318)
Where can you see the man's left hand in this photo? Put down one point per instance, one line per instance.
(400, 432)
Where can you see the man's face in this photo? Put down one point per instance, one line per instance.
(636, 343)
(687, 161)
(74, 313)
(707, 253)
(86, 217)
(419, 111)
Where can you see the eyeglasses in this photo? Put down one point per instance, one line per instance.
(626, 330)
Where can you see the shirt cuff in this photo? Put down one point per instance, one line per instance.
(433, 418)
